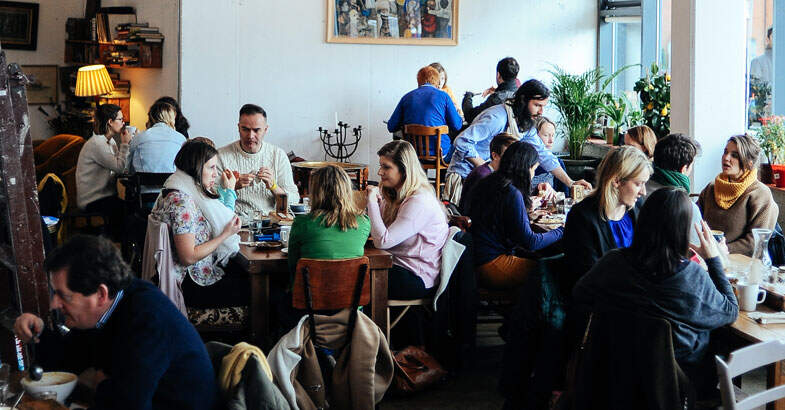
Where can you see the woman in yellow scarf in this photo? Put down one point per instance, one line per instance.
(736, 202)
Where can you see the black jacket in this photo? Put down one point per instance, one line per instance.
(587, 236)
(504, 91)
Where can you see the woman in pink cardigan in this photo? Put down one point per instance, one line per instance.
(408, 221)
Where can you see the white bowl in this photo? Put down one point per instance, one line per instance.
(62, 383)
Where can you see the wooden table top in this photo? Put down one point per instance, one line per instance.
(755, 332)
(251, 255)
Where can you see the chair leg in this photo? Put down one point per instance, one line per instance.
(389, 343)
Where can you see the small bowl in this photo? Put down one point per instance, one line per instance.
(62, 383)
(297, 209)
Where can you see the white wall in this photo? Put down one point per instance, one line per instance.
(52, 15)
(708, 78)
(146, 84)
(274, 54)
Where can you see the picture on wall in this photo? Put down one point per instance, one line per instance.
(418, 22)
(42, 88)
(18, 25)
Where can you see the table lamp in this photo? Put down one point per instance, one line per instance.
(93, 80)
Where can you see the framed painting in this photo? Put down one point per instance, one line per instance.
(18, 25)
(414, 22)
(42, 88)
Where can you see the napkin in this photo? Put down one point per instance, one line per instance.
(767, 318)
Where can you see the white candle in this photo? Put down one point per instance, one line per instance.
(336, 120)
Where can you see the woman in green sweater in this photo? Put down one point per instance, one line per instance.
(336, 227)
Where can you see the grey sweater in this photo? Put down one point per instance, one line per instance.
(99, 163)
(692, 300)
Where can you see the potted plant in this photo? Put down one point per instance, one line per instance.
(654, 91)
(759, 99)
(771, 138)
(579, 102)
(616, 109)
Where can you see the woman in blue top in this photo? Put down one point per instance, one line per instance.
(606, 218)
(499, 211)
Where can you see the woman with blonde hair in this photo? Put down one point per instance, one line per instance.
(408, 221)
(336, 227)
(154, 150)
(643, 138)
(736, 202)
(606, 218)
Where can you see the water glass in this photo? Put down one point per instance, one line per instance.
(568, 203)
(5, 374)
(285, 235)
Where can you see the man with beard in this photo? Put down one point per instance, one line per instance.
(515, 116)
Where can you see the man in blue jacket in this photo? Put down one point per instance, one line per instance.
(429, 106)
(147, 354)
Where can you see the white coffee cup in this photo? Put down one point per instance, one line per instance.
(285, 230)
(749, 295)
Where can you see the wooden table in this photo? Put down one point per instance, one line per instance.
(260, 264)
(754, 332)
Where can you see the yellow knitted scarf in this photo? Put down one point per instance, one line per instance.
(726, 192)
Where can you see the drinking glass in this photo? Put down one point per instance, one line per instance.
(5, 374)
(568, 203)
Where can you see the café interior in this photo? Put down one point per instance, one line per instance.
(392, 204)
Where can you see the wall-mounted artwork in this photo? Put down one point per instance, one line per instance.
(42, 88)
(18, 25)
(417, 22)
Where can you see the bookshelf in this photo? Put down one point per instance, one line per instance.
(115, 39)
(130, 54)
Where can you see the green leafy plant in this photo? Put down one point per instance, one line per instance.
(635, 117)
(654, 91)
(772, 138)
(579, 102)
(759, 94)
(616, 110)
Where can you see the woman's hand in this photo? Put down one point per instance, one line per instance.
(708, 245)
(232, 227)
(546, 191)
(373, 193)
(534, 216)
(228, 180)
(125, 136)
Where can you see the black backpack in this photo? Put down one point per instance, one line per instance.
(777, 246)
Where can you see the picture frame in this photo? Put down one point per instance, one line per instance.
(43, 88)
(409, 22)
(18, 25)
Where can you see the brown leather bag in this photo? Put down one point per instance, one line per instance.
(415, 370)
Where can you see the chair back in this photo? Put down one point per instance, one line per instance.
(157, 259)
(420, 138)
(743, 360)
(332, 284)
(145, 187)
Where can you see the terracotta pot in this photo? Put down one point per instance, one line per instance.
(779, 175)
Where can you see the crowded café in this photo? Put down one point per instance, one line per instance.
(392, 204)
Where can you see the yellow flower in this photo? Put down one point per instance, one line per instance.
(651, 87)
(668, 105)
(650, 106)
(664, 112)
(667, 77)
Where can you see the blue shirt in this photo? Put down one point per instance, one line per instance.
(622, 230)
(498, 230)
(475, 142)
(541, 175)
(154, 150)
(429, 106)
(227, 196)
(109, 311)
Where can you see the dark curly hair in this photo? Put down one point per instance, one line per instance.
(90, 261)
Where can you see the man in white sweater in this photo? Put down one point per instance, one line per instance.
(264, 168)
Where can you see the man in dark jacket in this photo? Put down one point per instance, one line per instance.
(147, 354)
(506, 80)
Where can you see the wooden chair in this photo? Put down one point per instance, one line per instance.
(743, 360)
(406, 304)
(328, 285)
(142, 189)
(420, 138)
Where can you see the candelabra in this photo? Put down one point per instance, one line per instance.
(335, 144)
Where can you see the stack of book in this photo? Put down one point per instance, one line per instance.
(139, 32)
(122, 88)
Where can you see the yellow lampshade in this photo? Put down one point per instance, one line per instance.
(93, 80)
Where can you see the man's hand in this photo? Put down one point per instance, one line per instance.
(583, 183)
(267, 176)
(27, 327)
(489, 91)
(547, 189)
(476, 161)
(244, 180)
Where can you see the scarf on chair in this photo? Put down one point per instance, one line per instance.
(214, 211)
(726, 192)
(671, 178)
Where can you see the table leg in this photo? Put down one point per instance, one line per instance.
(260, 307)
(775, 376)
(379, 298)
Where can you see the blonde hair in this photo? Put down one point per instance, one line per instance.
(620, 164)
(645, 137)
(332, 198)
(413, 177)
(541, 121)
(161, 112)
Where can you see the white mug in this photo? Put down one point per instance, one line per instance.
(749, 296)
(285, 235)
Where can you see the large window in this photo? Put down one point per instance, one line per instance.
(760, 61)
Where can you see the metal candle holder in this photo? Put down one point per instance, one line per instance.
(335, 144)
